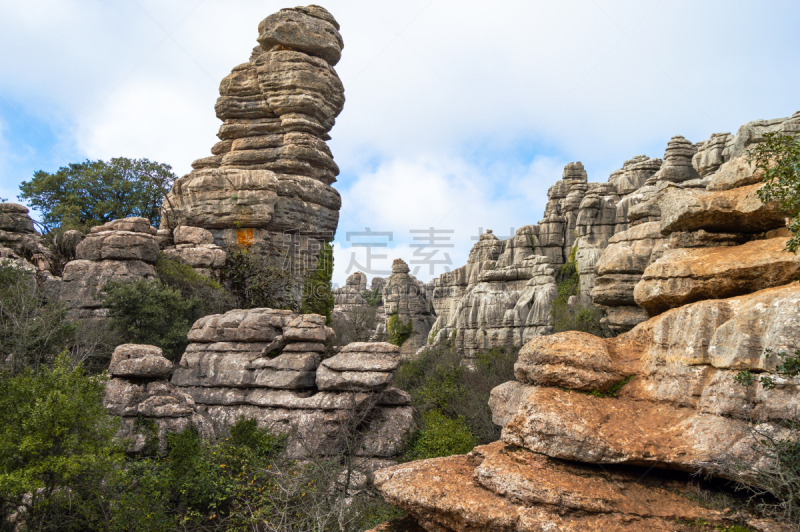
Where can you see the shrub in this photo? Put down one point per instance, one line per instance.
(32, 329)
(256, 280)
(398, 331)
(441, 436)
(147, 312)
(575, 317)
(438, 380)
(175, 274)
(317, 293)
(55, 444)
(779, 157)
(356, 323)
(374, 298)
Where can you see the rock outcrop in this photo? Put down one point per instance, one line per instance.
(150, 407)
(195, 246)
(267, 184)
(121, 250)
(274, 366)
(702, 282)
(407, 311)
(19, 240)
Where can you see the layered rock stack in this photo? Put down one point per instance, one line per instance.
(267, 184)
(270, 365)
(121, 250)
(406, 308)
(195, 246)
(19, 241)
(350, 294)
(150, 407)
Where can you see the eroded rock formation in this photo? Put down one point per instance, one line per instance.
(267, 184)
(274, 366)
(121, 250)
(709, 264)
(19, 241)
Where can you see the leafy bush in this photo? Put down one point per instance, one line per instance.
(147, 312)
(441, 436)
(32, 329)
(178, 275)
(438, 380)
(257, 280)
(779, 157)
(317, 293)
(374, 298)
(55, 443)
(398, 331)
(575, 317)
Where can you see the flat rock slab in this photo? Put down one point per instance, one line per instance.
(684, 276)
(328, 379)
(739, 210)
(501, 488)
(580, 427)
(363, 361)
(293, 361)
(252, 325)
(284, 379)
(318, 347)
(143, 361)
(575, 360)
(118, 245)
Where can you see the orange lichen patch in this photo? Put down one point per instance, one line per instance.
(244, 237)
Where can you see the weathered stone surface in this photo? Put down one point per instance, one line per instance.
(293, 361)
(130, 225)
(734, 174)
(82, 282)
(634, 173)
(502, 488)
(133, 360)
(253, 325)
(283, 379)
(684, 276)
(731, 211)
(362, 356)
(330, 380)
(198, 255)
(677, 166)
(14, 218)
(269, 176)
(118, 245)
(387, 432)
(317, 347)
(405, 302)
(185, 234)
(574, 360)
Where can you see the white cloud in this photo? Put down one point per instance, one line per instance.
(499, 95)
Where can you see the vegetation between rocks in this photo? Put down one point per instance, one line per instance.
(453, 399)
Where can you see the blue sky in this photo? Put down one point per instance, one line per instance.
(459, 114)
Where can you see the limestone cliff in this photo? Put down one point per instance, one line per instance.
(704, 262)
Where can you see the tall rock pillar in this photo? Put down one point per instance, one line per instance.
(266, 186)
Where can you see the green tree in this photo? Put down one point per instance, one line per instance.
(55, 442)
(147, 312)
(317, 294)
(779, 158)
(32, 329)
(82, 195)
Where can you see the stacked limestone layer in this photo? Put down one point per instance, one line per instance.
(271, 365)
(350, 294)
(19, 242)
(139, 390)
(505, 301)
(122, 250)
(405, 301)
(691, 180)
(713, 272)
(194, 246)
(267, 184)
